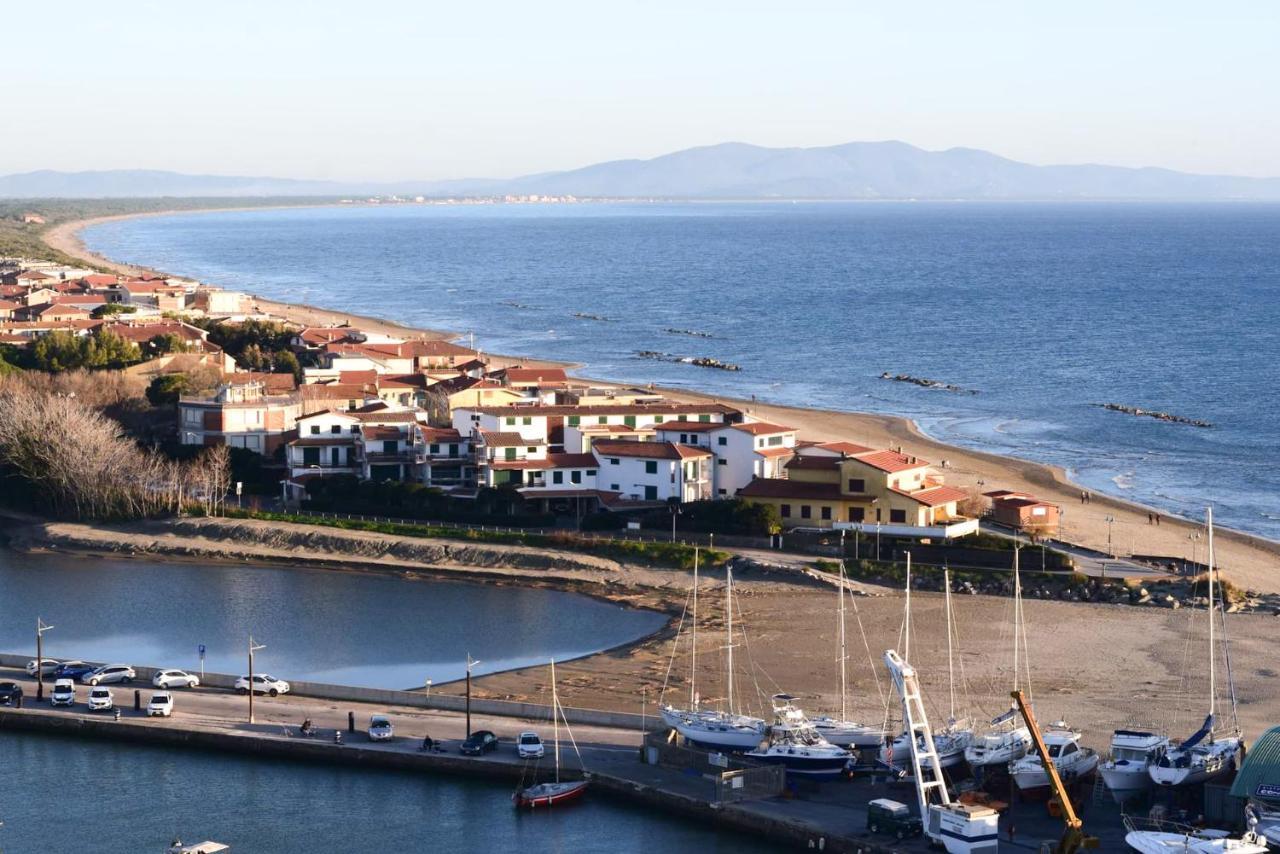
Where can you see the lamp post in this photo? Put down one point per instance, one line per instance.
(1110, 521)
(41, 628)
(470, 664)
(673, 505)
(253, 647)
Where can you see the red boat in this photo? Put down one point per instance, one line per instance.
(549, 794)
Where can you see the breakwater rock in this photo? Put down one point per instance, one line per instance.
(597, 317)
(1152, 413)
(925, 382)
(692, 332)
(700, 361)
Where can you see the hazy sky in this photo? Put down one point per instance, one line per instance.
(421, 89)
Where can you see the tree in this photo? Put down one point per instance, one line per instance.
(109, 350)
(169, 342)
(59, 350)
(111, 309)
(166, 389)
(287, 363)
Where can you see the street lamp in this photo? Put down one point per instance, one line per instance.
(1110, 521)
(674, 506)
(470, 664)
(253, 647)
(41, 628)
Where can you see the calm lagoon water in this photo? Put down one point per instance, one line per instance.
(1040, 310)
(68, 797)
(324, 626)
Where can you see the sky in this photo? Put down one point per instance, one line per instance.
(422, 89)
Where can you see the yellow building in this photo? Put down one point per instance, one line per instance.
(840, 482)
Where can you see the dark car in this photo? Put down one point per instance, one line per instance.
(480, 741)
(10, 693)
(73, 670)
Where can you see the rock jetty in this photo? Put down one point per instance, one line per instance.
(924, 382)
(585, 316)
(1152, 413)
(693, 332)
(700, 361)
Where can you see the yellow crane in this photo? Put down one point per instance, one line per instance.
(1073, 837)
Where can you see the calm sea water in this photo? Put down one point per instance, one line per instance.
(1038, 310)
(68, 797)
(321, 626)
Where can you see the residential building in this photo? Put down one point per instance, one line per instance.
(444, 458)
(241, 416)
(1024, 511)
(743, 451)
(326, 445)
(653, 471)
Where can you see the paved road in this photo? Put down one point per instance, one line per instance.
(1088, 562)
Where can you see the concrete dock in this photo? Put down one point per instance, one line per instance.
(830, 817)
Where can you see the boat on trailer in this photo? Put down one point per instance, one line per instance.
(1125, 772)
(795, 744)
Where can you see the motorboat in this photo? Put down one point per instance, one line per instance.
(795, 744)
(1133, 752)
(1155, 837)
(1072, 761)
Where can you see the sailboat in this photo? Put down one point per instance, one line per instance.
(951, 741)
(1203, 756)
(844, 732)
(1166, 839)
(555, 792)
(713, 729)
(1006, 739)
(795, 744)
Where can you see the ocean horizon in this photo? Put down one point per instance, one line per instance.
(1034, 313)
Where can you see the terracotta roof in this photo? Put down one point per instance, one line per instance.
(804, 461)
(318, 441)
(441, 434)
(553, 461)
(612, 409)
(74, 311)
(378, 431)
(6, 305)
(936, 496)
(99, 279)
(383, 416)
(648, 450)
(370, 376)
(690, 426)
(275, 383)
(78, 299)
(498, 439)
(890, 461)
(847, 448)
(762, 428)
(532, 375)
(1025, 502)
(326, 334)
(765, 487)
(775, 452)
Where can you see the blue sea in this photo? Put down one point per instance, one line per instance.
(1035, 311)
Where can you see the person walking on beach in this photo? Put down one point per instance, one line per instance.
(1157, 520)
(1082, 496)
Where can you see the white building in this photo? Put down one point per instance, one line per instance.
(742, 451)
(653, 471)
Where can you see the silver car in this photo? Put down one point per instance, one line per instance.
(109, 673)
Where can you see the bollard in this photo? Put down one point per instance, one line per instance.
(19, 701)
(351, 722)
(137, 700)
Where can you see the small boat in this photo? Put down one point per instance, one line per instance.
(795, 744)
(556, 791)
(707, 728)
(1132, 753)
(1204, 755)
(206, 847)
(841, 731)
(1072, 761)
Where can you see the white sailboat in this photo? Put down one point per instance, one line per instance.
(1072, 761)
(556, 791)
(1204, 755)
(795, 744)
(1007, 738)
(714, 729)
(842, 731)
(951, 741)
(1160, 838)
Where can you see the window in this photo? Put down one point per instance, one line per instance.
(526, 420)
(650, 466)
(311, 456)
(722, 462)
(511, 421)
(613, 487)
(786, 511)
(657, 419)
(531, 450)
(651, 493)
(684, 438)
(389, 446)
(336, 428)
(722, 491)
(856, 514)
(590, 473)
(575, 420)
(334, 456)
(629, 420)
(722, 440)
(315, 429)
(557, 477)
(759, 443)
(575, 477)
(704, 417)
(775, 440)
(613, 461)
(509, 453)
(826, 513)
(453, 450)
(897, 517)
(602, 420)
(435, 449)
(806, 512)
(857, 485)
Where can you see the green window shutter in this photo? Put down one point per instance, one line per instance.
(574, 420)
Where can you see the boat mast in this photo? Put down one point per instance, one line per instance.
(951, 674)
(693, 656)
(844, 712)
(728, 604)
(1017, 612)
(555, 716)
(906, 620)
(1213, 692)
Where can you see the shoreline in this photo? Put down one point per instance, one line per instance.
(1249, 560)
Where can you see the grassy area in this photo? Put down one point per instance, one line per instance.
(24, 239)
(658, 554)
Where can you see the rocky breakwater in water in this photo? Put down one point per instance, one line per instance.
(1153, 413)
(925, 382)
(700, 361)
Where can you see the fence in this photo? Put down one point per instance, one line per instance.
(766, 781)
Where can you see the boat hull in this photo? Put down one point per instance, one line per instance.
(1154, 842)
(847, 734)
(809, 767)
(1125, 780)
(546, 795)
(712, 732)
(1032, 781)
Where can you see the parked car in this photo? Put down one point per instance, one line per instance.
(161, 705)
(380, 728)
(47, 666)
(175, 679)
(109, 673)
(480, 741)
(884, 815)
(100, 700)
(529, 746)
(64, 693)
(10, 693)
(73, 670)
(263, 683)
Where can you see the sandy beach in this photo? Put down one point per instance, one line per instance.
(1249, 561)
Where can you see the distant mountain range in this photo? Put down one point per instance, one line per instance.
(855, 170)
